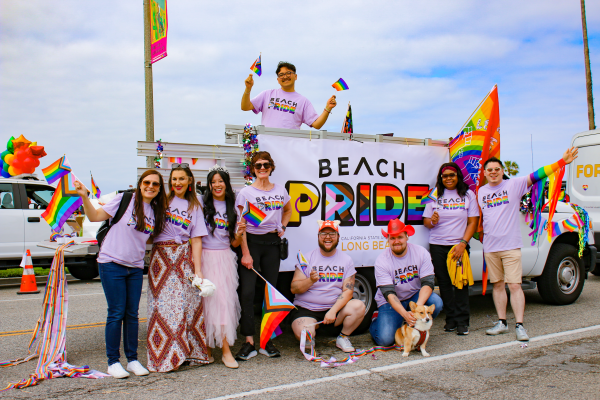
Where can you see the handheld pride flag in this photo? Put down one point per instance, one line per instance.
(340, 85)
(275, 309)
(95, 189)
(430, 196)
(302, 261)
(253, 214)
(63, 203)
(348, 128)
(257, 66)
(57, 170)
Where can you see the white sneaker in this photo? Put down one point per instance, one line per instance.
(343, 343)
(117, 371)
(137, 368)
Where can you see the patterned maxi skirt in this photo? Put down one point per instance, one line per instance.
(176, 330)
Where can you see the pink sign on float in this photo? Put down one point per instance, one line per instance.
(158, 29)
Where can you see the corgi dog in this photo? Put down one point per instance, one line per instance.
(416, 337)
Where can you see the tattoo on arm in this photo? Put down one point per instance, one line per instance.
(350, 284)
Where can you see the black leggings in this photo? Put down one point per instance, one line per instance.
(456, 301)
(264, 250)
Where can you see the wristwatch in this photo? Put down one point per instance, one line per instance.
(283, 227)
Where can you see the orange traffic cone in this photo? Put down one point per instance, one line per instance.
(28, 283)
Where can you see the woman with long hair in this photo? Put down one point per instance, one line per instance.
(121, 263)
(261, 245)
(219, 262)
(176, 332)
(452, 222)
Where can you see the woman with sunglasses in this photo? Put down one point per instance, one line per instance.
(260, 245)
(121, 264)
(219, 263)
(452, 222)
(176, 332)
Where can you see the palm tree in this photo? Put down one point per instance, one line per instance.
(512, 168)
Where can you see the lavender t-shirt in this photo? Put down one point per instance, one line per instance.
(453, 211)
(271, 202)
(333, 270)
(284, 109)
(181, 225)
(219, 239)
(500, 209)
(124, 244)
(404, 273)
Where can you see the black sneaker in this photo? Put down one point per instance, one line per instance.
(450, 326)
(462, 330)
(270, 350)
(246, 352)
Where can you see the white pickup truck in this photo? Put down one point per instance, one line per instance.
(553, 267)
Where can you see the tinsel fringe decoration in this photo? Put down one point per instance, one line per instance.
(250, 143)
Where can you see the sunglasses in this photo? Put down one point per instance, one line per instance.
(182, 165)
(266, 165)
(497, 169)
(449, 176)
(151, 183)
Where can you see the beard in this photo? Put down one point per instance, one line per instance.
(398, 252)
(333, 246)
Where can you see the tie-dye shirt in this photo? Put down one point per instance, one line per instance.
(219, 239)
(181, 225)
(453, 211)
(270, 202)
(282, 109)
(333, 270)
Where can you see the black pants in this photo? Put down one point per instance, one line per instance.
(456, 301)
(264, 250)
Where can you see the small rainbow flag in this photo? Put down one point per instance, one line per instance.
(430, 196)
(253, 214)
(63, 203)
(57, 169)
(340, 85)
(275, 309)
(257, 67)
(95, 189)
(303, 262)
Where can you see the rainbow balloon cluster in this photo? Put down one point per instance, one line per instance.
(20, 157)
(250, 148)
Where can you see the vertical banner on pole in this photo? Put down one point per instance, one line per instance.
(158, 29)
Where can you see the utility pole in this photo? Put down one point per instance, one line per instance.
(148, 81)
(588, 71)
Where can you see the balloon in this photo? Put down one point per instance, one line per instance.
(8, 158)
(9, 145)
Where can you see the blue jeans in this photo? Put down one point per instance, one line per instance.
(123, 289)
(384, 328)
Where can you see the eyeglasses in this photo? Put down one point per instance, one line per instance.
(153, 183)
(328, 234)
(182, 165)
(497, 169)
(449, 176)
(266, 165)
(285, 74)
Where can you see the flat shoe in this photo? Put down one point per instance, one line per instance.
(230, 364)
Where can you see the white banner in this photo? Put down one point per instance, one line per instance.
(364, 185)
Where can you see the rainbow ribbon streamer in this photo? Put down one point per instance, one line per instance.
(57, 170)
(275, 308)
(257, 66)
(49, 338)
(64, 202)
(340, 85)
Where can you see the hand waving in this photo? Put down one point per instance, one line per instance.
(570, 155)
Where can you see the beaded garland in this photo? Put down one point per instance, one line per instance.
(584, 229)
(159, 151)
(250, 148)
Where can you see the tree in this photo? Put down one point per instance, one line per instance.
(512, 168)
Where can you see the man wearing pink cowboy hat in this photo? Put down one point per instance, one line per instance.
(404, 273)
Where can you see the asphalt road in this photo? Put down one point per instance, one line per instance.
(557, 363)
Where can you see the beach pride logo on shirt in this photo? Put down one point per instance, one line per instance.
(270, 203)
(330, 273)
(221, 221)
(495, 199)
(283, 105)
(406, 275)
(452, 204)
(179, 218)
(149, 226)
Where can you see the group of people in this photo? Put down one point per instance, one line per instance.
(199, 293)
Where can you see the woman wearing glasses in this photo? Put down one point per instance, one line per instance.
(260, 245)
(121, 263)
(176, 332)
(219, 263)
(452, 221)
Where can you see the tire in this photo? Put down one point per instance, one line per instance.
(364, 290)
(84, 272)
(563, 278)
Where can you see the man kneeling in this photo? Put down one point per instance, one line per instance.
(324, 291)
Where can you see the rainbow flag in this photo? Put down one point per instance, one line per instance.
(430, 196)
(340, 85)
(303, 262)
(95, 189)
(57, 169)
(63, 203)
(257, 66)
(348, 128)
(253, 214)
(478, 140)
(275, 309)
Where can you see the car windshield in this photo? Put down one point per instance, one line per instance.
(38, 196)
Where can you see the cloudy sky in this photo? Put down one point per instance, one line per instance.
(72, 75)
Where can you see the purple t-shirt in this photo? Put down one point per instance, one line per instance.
(284, 109)
(404, 273)
(270, 202)
(500, 210)
(453, 211)
(124, 244)
(181, 225)
(333, 270)
(219, 239)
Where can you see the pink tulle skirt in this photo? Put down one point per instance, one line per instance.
(222, 309)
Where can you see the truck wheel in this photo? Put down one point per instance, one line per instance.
(84, 272)
(563, 277)
(364, 290)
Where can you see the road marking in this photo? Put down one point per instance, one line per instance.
(402, 365)
(69, 327)
(41, 298)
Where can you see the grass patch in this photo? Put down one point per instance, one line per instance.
(18, 272)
